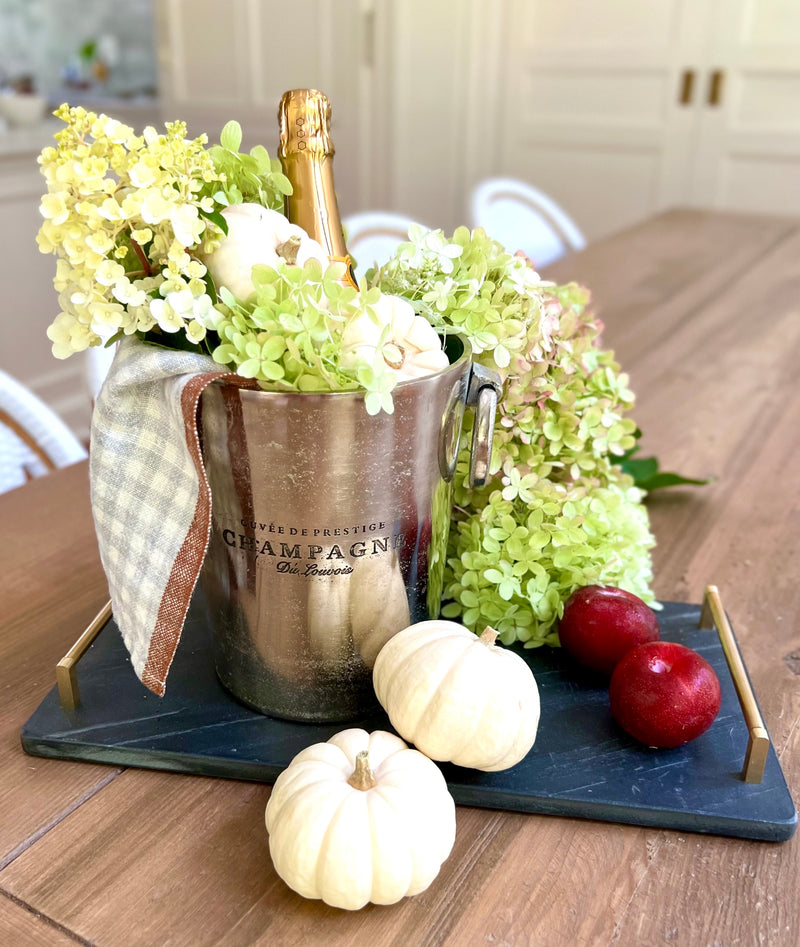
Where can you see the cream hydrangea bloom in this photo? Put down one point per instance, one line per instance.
(123, 214)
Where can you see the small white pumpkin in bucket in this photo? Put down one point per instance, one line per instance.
(408, 343)
(258, 235)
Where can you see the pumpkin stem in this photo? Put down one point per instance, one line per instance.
(363, 778)
(394, 362)
(288, 249)
(488, 636)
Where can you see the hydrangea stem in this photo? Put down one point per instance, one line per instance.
(143, 259)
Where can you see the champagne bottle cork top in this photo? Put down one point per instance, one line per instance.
(304, 117)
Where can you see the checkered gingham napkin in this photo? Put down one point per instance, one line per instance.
(150, 496)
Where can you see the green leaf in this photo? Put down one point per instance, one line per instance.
(211, 288)
(281, 183)
(272, 371)
(641, 469)
(231, 137)
(273, 348)
(261, 156)
(469, 598)
(216, 218)
(250, 368)
(647, 475)
(664, 479)
(175, 340)
(227, 296)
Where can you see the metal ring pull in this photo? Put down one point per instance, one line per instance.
(485, 388)
(482, 435)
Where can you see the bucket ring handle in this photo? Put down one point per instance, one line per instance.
(483, 393)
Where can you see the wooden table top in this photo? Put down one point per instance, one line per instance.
(703, 311)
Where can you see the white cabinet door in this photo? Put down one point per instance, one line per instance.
(421, 113)
(218, 65)
(748, 152)
(590, 104)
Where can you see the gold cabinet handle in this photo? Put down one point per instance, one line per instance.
(715, 87)
(687, 87)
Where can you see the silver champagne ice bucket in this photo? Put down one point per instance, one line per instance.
(329, 530)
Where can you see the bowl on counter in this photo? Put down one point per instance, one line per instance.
(22, 109)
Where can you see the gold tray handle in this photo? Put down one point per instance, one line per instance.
(66, 672)
(713, 615)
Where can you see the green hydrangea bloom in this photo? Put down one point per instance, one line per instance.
(556, 513)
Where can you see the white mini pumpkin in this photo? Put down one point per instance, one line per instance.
(360, 818)
(378, 604)
(413, 348)
(328, 617)
(257, 235)
(458, 697)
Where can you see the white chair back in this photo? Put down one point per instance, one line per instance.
(373, 237)
(523, 218)
(33, 439)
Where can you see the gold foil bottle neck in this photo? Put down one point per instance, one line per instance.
(304, 118)
(306, 156)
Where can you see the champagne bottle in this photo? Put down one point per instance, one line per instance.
(306, 155)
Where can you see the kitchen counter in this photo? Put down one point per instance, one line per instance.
(29, 140)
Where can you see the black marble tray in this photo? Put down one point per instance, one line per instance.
(582, 764)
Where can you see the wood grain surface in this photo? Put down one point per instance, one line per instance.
(703, 311)
(51, 584)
